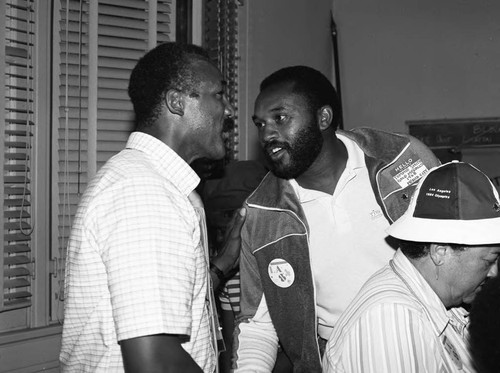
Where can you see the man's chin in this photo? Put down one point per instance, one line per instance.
(469, 299)
(218, 152)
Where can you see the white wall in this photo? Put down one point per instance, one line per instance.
(418, 59)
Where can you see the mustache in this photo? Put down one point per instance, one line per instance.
(228, 125)
(268, 145)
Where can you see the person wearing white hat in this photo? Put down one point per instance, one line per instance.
(408, 317)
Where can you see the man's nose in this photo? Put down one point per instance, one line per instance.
(268, 132)
(228, 109)
(493, 272)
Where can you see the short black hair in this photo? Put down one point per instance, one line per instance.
(484, 328)
(416, 250)
(167, 66)
(309, 83)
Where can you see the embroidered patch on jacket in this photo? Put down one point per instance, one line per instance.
(281, 273)
(408, 172)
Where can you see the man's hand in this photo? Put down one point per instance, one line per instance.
(229, 257)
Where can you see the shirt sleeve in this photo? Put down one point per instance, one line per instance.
(257, 342)
(387, 338)
(149, 252)
(255, 339)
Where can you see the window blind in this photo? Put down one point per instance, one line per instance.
(221, 40)
(99, 43)
(17, 123)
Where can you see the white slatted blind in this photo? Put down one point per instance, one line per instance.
(17, 111)
(119, 51)
(16, 126)
(99, 43)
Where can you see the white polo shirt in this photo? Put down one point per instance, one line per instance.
(347, 237)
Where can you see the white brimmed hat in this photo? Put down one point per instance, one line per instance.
(453, 203)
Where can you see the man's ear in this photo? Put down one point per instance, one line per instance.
(325, 117)
(175, 102)
(438, 253)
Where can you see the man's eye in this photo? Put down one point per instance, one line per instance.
(259, 124)
(281, 118)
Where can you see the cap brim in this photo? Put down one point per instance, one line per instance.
(467, 232)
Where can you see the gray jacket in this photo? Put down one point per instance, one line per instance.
(276, 227)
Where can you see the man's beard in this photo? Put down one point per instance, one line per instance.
(302, 152)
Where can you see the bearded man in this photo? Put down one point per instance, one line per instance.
(315, 226)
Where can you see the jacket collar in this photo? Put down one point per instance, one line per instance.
(274, 193)
(380, 148)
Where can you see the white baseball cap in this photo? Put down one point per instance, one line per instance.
(453, 203)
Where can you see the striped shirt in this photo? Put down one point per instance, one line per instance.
(229, 296)
(397, 323)
(135, 266)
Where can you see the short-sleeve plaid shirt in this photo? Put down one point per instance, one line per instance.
(135, 266)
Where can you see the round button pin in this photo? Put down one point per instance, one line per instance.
(281, 273)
